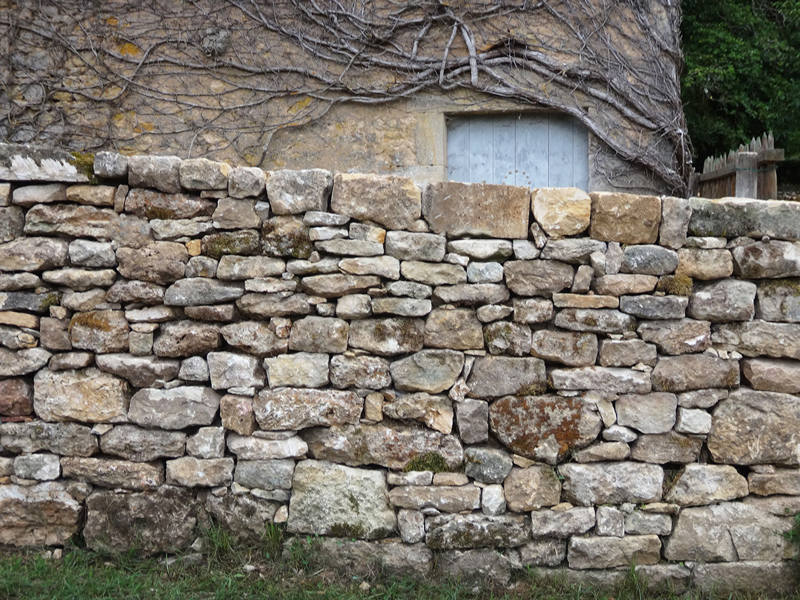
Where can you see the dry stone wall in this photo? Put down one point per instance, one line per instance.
(492, 376)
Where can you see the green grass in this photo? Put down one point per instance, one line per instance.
(236, 572)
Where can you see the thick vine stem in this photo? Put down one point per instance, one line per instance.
(229, 73)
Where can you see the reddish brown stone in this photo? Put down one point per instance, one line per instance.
(16, 398)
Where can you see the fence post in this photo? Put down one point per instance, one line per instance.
(747, 174)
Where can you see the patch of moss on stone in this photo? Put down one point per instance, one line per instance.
(732, 379)
(47, 301)
(430, 461)
(218, 245)
(671, 477)
(675, 285)
(348, 530)
(774, 286)
(84, 163)
(89, 320)
(159, 212)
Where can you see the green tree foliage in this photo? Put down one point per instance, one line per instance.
(742, 74)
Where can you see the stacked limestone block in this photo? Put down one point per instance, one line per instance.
(598, 380)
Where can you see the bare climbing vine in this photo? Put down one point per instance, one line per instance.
(227, 74)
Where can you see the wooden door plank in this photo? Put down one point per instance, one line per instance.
(532, 151)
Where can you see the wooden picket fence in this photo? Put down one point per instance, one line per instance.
(749, 172)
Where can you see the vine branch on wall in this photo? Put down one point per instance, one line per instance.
(214, 75)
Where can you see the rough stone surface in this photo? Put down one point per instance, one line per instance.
(33, 254)
(496, 376)
(87, 396)
(393, 202)
(472, 419)
(186, 338)
(675, 216)
(16, 398)
(150, 522)
(677, 337)
(544, 428)
(387, 445)
(611, 483)
(723, 301)
(336, 500)
(431, 371)
(609, 552)
(140, 371)
(444, 498)
(537, 277)
(476, 531)
(625, 218)
(387, 337)
(112, 473)
(694, 372)
(594, 320)
(611, 380)
(142, 445)
(189, 471)
(752, 428)
(298, 408)
(626, 353)
(360, 372)
(254, 337)
(176, 408)
(561, 211)
(531, 488)
(702, 264)
(568, 348)
(698, 485)
(654, 307)
(487, 465)
(477, 209)
(100, 331)
(415, 246)
(42, 514)
(231, 370)
(665, 448)
(650, 413)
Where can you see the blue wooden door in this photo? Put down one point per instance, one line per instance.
(527, 150)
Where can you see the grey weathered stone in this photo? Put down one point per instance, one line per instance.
(360, 371)
(236, 413)
(698, 485)
(531, 488)
(493, 500)
(42, 514)
(135, 291)
(148, 204)
(476, 566)
(273, 305)
(770, 259)
(532, 310)
(594, 320)
(110, 165)
(493, 312)
(433, 273)
(87, 396)
(22, 362)
(544, 428)
(728, 531)
(350, 247)
(26, 301)
(415, 246)
(476, 531)
(37, 467)
(28, 195)
(484, 272)
(610, 522)
(444, 498)
(393, 202)
(231, 370)
(723, 301)
(150, 522)
(603, 451)
(233, 267)
(763, 577)
(487, 465)
(12, 222)
(71, 360)
(472, 418)
(654, 307)
(189, 471)
(457, 329)
(701, 398)
(508, 338)
(778, 301)
(301, 369)
(186, 338)
(626, 353)
(675, 216)
(297, 408)
(537, 277)
(562, 523)
(621, 284)
(431, 371)
(677, 337)
(435, 412)
(387, 337)
(265, 474)
(611, 483)
(159, 172)
(338, 500)
(608, 552)
(670, 447)
(87, 221)
(387, 445)
(471, 293)
(13, 282)
(608, 379)
(140, 371)
(245, 517)
(254, 337)
(650, 413)
(403, 307)
(159, 262)
(354, 306)
(782, 481)
(175, 229)
(694, 372)
(496, 376)
(773, 375)
(751, 428)
(649, 260)
(86, 253)
(693, 421)
(758, 337)
(203, 174)
(246, 182)
(142, 445)
(561, 211)
(640, 522)
(33, 254)
(319, 334)
(256, 448)
(336, 285)
(208, 442)
(113, 473)
(731, 217)
(176, 408)
(575, 251)
(200, 291)
(382, 266)
(478, 209)
(295, 192)
(482, 250)
(572, 349)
